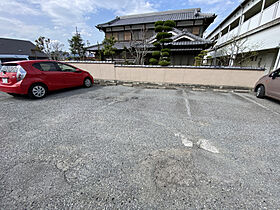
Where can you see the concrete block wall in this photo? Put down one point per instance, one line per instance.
(173, 75)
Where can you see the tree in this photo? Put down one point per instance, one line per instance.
(108, 47)
(200, 57)
(53, 48)
(43, 44)
(100, 54)
(237, 51)
(138, 48)
(162, 55)
(56, 50)
(77, 46)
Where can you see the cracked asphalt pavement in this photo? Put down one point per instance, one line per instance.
(119, 147)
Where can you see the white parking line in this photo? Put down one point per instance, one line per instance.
(260, 105)
(184, 139)
(188, 107)
(187, 104)
(206, 145)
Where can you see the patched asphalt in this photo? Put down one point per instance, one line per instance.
(119, 147)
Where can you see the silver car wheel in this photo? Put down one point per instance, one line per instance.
(259, 91)
(38, 91)
(87, 82)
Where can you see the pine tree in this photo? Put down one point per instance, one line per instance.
(77, 46)
(162, 55)
(108, 44)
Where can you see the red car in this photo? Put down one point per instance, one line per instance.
(37, 77)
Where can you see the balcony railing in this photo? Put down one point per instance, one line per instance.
(269, 14)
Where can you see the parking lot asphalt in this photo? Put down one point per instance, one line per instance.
(122, 147)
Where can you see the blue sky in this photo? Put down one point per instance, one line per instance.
(57, 19)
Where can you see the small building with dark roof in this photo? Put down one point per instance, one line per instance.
(15, 49)
(187, 39)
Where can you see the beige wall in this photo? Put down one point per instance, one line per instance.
(215, 77)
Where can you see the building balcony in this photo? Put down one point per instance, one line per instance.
(267, 15)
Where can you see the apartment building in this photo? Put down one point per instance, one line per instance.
(253, 28)
(187, 39)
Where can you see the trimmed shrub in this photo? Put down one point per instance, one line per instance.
(170, 23)
(167, 59)
(156, 54)
(165, 40)
(160, 22)
(159, 28)
(165, 54)
(163, 35)
(166, 50)
(166, 28)
(153, 61)
(164, 63)
(156, 44)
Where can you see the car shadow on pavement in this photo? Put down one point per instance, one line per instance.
(273, 100)
(70, 92)
(63, 93)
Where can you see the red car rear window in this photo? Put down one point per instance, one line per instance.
(9, 67)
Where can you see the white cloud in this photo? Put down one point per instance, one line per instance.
(75, 11)
(12, 6)
(210, 2)
(57, 19)
(11, 27)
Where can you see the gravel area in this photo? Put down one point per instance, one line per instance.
(119, 147)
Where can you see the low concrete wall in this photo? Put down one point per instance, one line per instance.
(171, 75)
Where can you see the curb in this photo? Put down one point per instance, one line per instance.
(149, 85)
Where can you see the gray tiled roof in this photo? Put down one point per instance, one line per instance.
(182, 33)
(187, 43)
(186, 49)
(175, 15)
(121, 45)
(19, 47)
(179, 33)
(118, 46)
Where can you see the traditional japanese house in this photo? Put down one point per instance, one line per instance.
(187, 39)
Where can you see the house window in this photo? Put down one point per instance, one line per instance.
(253, 11)
(185, 23)
(198, 22)
(216, 37)
(121, 36)
(150, 25)
(196, 30)
(268, 3)
(115, 34)
(150, 33)
(137, 27)
(108, 35)
(234, 24)
(127, 36)
(225, 31)
(135, 35)
(189, 29)
(117, 29)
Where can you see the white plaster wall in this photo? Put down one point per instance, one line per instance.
(267, 39)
